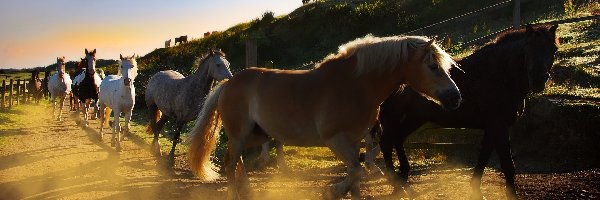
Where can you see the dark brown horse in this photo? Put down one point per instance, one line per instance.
(35, 86)
(181, 39)
(45, 91)
(78, 75)
(494, 84)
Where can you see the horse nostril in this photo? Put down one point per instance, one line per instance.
(450, 99)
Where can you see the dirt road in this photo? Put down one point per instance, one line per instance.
(44, 159)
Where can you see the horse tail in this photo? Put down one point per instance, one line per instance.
(204, 137)
(154, 116)
(106, 117)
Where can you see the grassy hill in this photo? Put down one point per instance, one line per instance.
(312, 31)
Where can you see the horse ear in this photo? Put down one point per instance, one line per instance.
(94, 52)
(553, 28)
(430, 42)
(86, 51)
(120, 56)
(133, 56)
(529, 28)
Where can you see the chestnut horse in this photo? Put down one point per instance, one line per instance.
(495, 81)
(35, 86)
(303, 108)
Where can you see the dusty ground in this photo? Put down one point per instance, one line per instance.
(44, 159)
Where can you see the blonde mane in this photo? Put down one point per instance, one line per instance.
(384, 53)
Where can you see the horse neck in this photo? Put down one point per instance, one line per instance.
(201, 80)
(373, 86)
(494, 65)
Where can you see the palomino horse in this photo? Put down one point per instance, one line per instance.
(59, 85)
(333, 105)
(179, 97)
(35, 86)
(117, 92)
(515, 64)
(181, 39)
(87, 90)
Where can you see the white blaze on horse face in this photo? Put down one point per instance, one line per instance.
(219, 68)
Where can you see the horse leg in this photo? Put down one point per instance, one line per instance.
(502, 144)
(53, 106)
(280, 156)
(95, 115)
(116, 129)
(347, 151)
(102, 118)
(484, 156)
(156, 129)
(127, 130)
(263, 159)
(62, 104)
(232, 157)
(371, 152)
(176, 139)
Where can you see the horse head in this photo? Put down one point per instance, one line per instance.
(81, 64)
(432, 76)
(218, 66)
(90, 58)
(60, 61)
(541, 45)
(128, 69)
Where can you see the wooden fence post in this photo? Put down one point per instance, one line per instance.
(25, 92)
(3, 96)
(517, 14)
(10, 94)
(251, 53)
(18, 92)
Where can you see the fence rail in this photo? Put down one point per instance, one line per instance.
(14, 93)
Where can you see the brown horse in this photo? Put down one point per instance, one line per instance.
(303, 108)
(181, 39)
(78, 75)
(494, 83)
(35, 86)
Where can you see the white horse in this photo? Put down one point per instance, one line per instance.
(59, 85)
(117, 92)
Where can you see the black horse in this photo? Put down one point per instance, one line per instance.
(45, 91)
(494, 84)
(89, 86)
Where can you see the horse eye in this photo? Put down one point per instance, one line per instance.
(432, 67)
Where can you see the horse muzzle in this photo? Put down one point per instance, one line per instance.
(450, 99)
(127, 82)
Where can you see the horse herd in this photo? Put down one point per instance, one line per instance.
(372, 87)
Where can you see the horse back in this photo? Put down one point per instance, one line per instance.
(296, 107)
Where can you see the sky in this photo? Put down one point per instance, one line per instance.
(34, 32)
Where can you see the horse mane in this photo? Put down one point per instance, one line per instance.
(203, 57)
(382, 53)
(512, 35)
